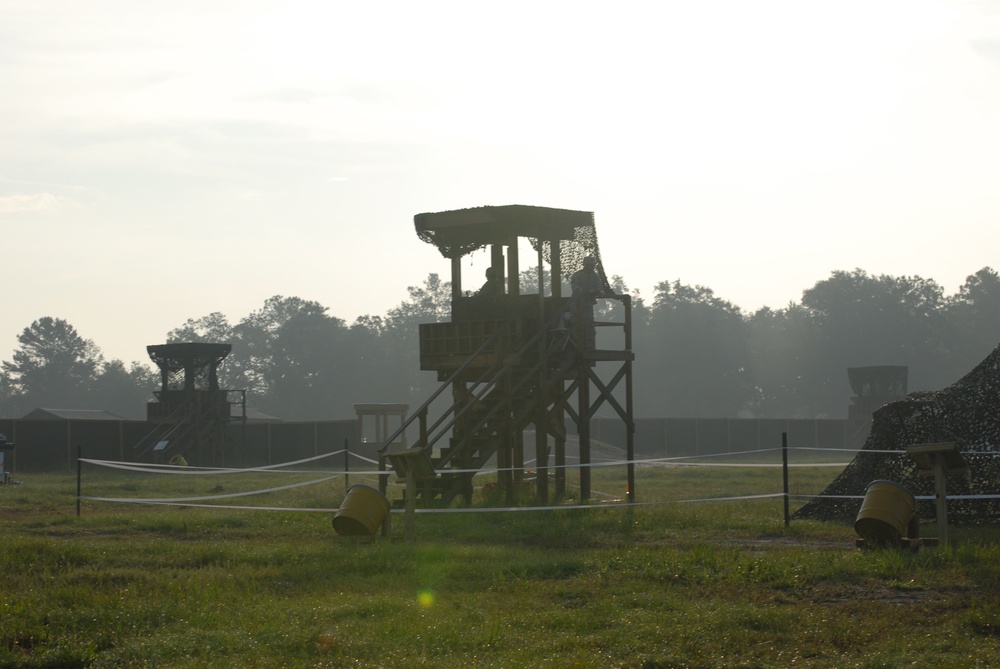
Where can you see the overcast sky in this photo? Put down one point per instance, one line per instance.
(160, 161)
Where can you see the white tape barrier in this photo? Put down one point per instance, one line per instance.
(189, 502)
(189, 470)
(677, 462)
(168, 500)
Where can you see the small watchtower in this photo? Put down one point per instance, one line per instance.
(874, 387)
(190, 410)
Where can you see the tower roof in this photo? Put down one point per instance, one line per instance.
(462, 231)
(187, 355)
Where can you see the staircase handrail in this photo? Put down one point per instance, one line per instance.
(169, 433)
(491, 372)
(422, 410)
(553, 320)
(183, 427)
(489, 385)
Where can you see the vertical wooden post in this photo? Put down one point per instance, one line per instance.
(939, 460)
(506, 462)
(79, 477)
(583, 397)
(941, 503)
(541, 457)
(560, 455)
(347, 466)
(269, 461)
(517, 446)
(496, 259)
(359, 430)
(383, 482)
(784, 474)
(456, 279)
(630, 426)
(13, 453)
(558, 414)
(513, 269)
(411, 503)
(541, 412)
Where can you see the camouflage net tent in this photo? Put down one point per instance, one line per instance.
(462, 231)
(966, 413)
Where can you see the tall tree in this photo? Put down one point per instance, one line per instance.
(54, 365)
(866, 320)
(9, 399)
(429, 303)
(696, 347)
(782, 358)
(124, 391)
(974, 320)
(214, 328)
(374, 373)
(308, 353)
(261, 362)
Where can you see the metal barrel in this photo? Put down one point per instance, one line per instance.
(362, 512)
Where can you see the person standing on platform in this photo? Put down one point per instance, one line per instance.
(493, 285)
(587, 287)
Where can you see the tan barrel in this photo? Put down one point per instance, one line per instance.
(885, 512)
(362, 512)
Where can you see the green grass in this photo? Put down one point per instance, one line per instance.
(667, 584)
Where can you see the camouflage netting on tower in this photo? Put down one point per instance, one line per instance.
(460, 232)
(966, 413)
(573, 251)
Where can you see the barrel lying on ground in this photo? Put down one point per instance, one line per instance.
(362, 512)
(885, 513)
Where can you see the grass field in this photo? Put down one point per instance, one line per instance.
(667, 583)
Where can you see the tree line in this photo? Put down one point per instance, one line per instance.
(698, 355)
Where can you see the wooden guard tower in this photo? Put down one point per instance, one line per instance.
(191, 412)
(512, 360)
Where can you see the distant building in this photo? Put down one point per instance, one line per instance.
(253, 415)
(70, 414)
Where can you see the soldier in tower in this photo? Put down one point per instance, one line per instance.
(587, 287)
(493, 285)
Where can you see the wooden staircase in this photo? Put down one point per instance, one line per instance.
(520, 373)
(191, 430)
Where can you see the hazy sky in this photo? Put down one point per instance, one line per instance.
(160, 161)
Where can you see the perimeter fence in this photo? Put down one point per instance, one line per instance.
(52, 445)
(317, 484)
